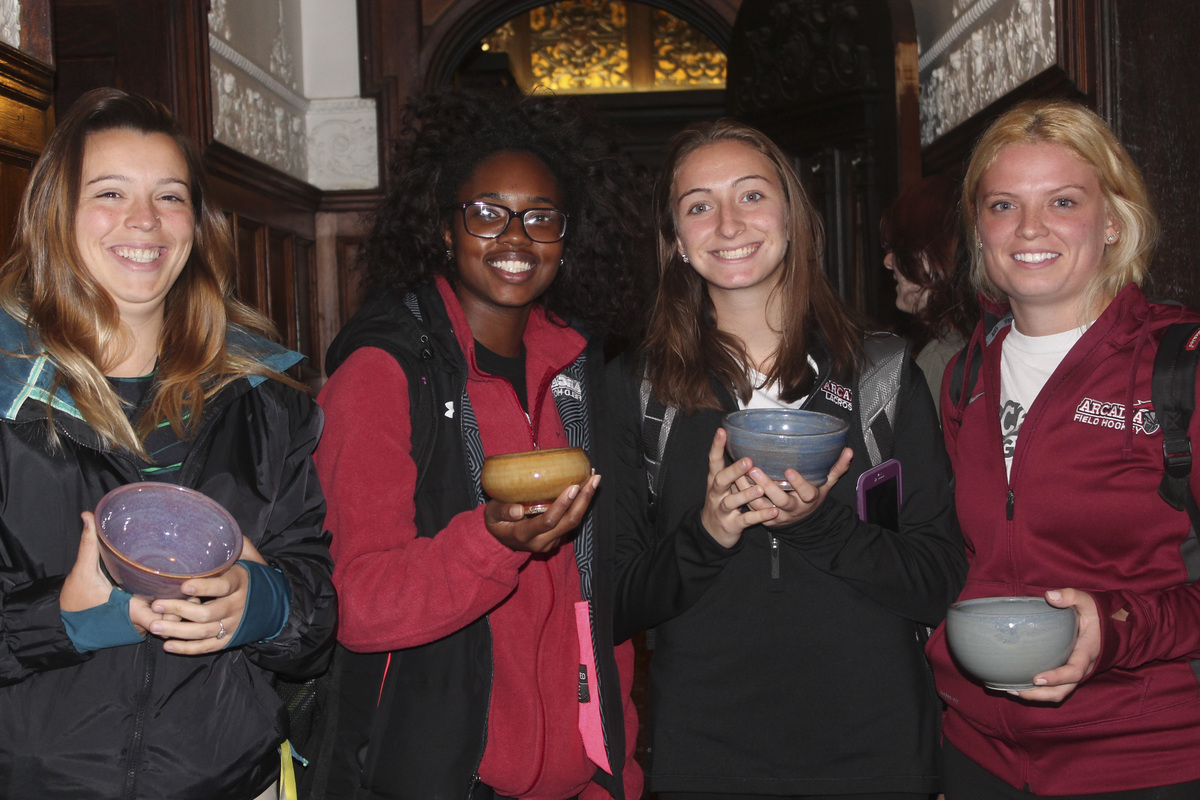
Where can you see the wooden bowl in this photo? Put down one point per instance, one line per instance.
(534, 478)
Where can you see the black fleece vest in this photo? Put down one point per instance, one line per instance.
(416, 719)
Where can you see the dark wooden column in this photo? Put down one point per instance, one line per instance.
(820, 78)
(1155, 99)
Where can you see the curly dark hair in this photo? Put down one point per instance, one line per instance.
(607, 256)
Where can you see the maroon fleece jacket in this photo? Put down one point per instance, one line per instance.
(399, 590)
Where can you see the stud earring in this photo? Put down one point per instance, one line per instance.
(979, 244)
(1112, 237)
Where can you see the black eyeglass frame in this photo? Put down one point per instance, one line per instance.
(521, 215)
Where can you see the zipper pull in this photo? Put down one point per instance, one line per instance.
(776, 584)
(1008, 506)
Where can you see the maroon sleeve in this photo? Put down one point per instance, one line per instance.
(395, 589)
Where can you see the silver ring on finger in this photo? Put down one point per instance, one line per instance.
(221, 633)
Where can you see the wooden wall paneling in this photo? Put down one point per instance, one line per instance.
(281, 286)
(250, 241)
(26, 120)
(1156, 113)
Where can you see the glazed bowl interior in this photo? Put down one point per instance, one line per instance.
(777, 439)
(534, 478)
(1006, 641)
(154, 536)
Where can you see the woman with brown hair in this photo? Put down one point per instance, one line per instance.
(920, 240)
(787, 661)
(124, 357)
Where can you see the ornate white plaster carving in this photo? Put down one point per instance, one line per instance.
(218, 19)
(256, 123)
(961, 74)
(282, 63)
(342, 152)
(10, 22)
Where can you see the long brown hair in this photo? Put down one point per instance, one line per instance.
(72, 320)
(684, 349)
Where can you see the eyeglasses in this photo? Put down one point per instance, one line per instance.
(490, 221)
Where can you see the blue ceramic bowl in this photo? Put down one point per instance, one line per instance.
(1006, 641)
(776, 439)
(155, 536)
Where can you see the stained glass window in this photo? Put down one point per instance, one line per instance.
(579, 46)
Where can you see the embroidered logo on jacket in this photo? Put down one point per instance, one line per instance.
(1107, 414)
(838, 394)
(566, 385)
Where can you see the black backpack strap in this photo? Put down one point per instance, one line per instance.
(1173, 393)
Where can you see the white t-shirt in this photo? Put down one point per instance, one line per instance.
(1026, 363)
(765, 396)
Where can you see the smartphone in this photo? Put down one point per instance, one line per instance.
(880, 493)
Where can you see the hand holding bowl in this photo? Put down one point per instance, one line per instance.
(534, 478)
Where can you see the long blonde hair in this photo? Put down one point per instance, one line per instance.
(1082, 132)
(72, 320)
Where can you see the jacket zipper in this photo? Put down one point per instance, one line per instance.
(486, 715)
(137, 740)
(775, 583)
(139, 720)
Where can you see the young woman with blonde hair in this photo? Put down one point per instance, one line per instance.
(1058, 455)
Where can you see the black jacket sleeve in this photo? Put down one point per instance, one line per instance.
(294, 542)
(659, 573)
(915, 572)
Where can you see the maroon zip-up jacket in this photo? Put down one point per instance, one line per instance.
(1081, 510)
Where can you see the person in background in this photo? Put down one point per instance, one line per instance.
(787, 654)
(1058, 459)
(479, 657)
(920, 236)
(124, 357)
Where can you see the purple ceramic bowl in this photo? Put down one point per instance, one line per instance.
(155, 536)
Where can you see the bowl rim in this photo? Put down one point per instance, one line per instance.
(1029, 604)
(128, 488)
(528, 453)
(732, 418)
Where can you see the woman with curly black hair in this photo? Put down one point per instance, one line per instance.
(478, 659)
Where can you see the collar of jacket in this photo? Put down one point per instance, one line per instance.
(27, 374)
(556, 343)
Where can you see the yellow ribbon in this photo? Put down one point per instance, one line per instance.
(287, 773)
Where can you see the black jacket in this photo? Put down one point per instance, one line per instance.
(412, 723)
(134, 721)
(790, 664)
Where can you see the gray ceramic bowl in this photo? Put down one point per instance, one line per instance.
(1006, 641)
(155, 536)
(776, 439)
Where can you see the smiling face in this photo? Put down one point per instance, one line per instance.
(505, 275)
(731, 218)
(134, 222)
(1043, 222)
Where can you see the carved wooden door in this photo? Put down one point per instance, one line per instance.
(820, 77)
